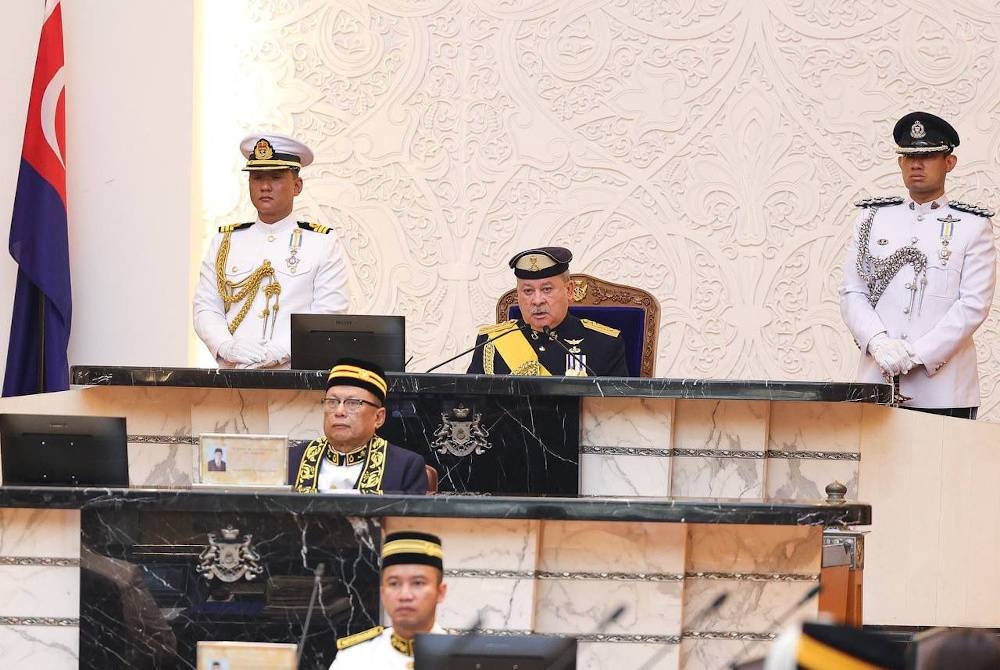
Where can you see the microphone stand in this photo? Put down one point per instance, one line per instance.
(778, 622)
(564, 658)
(574, 355)
(698, 618)
(515, 329)
(317, 587)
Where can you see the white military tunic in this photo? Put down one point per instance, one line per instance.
(961, 272)
(376, 654)
(314, 283)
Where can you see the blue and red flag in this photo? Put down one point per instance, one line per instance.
(39, 241)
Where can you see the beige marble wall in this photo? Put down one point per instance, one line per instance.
(810, 445)
(719, 448)
(40, 588)
(763, 570)
(625, 446)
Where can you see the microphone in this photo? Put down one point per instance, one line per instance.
(576, 357)
(516, 329)
(698, 618)
(317, 586)
(778, 622)
(566, 657)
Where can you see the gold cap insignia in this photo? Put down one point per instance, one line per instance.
(263, 151)
(917, 131)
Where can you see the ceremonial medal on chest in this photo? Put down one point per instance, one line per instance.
(576, 361)
(947, 229)
(294, 244)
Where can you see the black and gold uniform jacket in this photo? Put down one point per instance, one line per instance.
(527, 352)
(387, 468)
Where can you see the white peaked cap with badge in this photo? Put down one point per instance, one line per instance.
(272, 151)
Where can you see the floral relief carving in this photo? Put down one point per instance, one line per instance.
(704, 150)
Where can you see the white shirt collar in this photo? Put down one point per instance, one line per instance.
(281, 226)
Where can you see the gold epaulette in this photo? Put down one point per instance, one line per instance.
(496, 327)
(600, 327)
(883, 201)
(358, 638)
(315, 227)
(231, 227)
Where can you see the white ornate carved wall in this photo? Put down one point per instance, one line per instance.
(706, 150)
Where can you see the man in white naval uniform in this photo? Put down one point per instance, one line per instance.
(919, 278)
(256, 274)
(412, 587)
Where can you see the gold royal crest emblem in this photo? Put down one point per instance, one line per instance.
(263, 151)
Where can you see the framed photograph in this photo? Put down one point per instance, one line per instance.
(242, 460)
(246, 656)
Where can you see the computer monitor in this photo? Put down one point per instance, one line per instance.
(494, 652)
(49, 450)
(320, 339)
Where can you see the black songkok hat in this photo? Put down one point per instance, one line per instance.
(412, 548)
(359, 373)
(923, 133)
(541, 263)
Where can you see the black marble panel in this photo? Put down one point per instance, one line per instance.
(244, 501)
(504, 386)
(485, 444)
(146, 598)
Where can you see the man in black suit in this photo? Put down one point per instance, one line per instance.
(217, 464)
(547, 339)
(350, 457)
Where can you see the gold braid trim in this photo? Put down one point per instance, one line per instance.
(358, 638)
(489, 353)
(245, 290)
(371, 477)
(350, 458)
(401, 644)
(305, 479)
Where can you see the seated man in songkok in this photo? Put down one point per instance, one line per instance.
(350, 457)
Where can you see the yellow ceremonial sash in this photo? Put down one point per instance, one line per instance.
(519, 355)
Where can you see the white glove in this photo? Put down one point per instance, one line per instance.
(890, 354)
(913, 354)
(274, 355)
(242, 351)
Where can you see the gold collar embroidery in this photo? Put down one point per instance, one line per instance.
(402, 645)
(350, 458)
